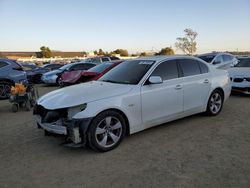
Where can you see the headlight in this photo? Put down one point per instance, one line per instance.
(74, 110)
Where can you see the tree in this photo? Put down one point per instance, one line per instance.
(101, 52)
(187, 43)
(166, 51)
(44, 53)
(95, 52)
(122, 52)
(143, 54)
(84, 53)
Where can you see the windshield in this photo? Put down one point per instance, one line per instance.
(65, 67)
(207, 58)
(100, 68)
(129, 72)
(244, 62)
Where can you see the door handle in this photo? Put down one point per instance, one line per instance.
(206, 81)
(177, 87)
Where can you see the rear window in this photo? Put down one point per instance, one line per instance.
(203, 67)
(189, 67)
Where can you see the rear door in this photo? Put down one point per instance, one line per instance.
(197, 83)
(160, 101)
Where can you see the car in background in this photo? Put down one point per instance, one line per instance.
(34, 74)
(75, 77)
(54, 77)
(219, 60)
(240, 75)
(100, 59)
(11, 72)
(133, 96)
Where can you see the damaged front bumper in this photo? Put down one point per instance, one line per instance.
(74, 130)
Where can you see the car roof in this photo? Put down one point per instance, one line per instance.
(164, 58)
(214, 54)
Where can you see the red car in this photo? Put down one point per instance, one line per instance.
(75, 77)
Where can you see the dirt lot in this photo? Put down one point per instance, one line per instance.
(197, 151)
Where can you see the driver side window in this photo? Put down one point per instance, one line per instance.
(166, 70)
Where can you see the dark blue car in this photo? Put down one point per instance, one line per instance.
(11, 72)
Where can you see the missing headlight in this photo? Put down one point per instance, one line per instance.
(74, 110)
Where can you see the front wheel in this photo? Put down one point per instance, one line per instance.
(106, 131)
(5, 89)
(215, 103)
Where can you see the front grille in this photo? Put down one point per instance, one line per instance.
(238, 80)
(241, 79)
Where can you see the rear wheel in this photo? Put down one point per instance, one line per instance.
(5, 88)
(215, 103)
(106, 131)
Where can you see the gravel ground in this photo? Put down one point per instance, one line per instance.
(197, 151)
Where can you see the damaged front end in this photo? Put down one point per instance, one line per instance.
(61, 122)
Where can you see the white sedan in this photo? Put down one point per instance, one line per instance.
(134, 96)
(240, 75)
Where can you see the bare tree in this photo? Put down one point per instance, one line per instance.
(187, 44)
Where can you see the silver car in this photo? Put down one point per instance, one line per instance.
(240, 75)
(219, 60)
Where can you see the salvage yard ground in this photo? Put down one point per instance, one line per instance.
(197, 151)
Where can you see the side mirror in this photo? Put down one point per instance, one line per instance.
(155, 80)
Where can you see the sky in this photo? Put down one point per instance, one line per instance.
(136, 25)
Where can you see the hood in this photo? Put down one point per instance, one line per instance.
(53, 72)
(82, 93)
(239, 71)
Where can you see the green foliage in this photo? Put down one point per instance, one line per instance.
(122, 52)
(166, 51)
(187, 44)
(143, 54)
(95, 52)
(84, 53)
(44, 53)
(101, 52)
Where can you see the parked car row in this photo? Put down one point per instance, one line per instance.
(79, 72)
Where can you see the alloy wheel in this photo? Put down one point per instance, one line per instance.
(108, 131)
(215, 103)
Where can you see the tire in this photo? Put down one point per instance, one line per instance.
(215, 103)
(59, 81)
(5, 88)
(106, 131)
(14, 108)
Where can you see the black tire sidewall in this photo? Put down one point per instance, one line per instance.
(6, 83)
(92, 129)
